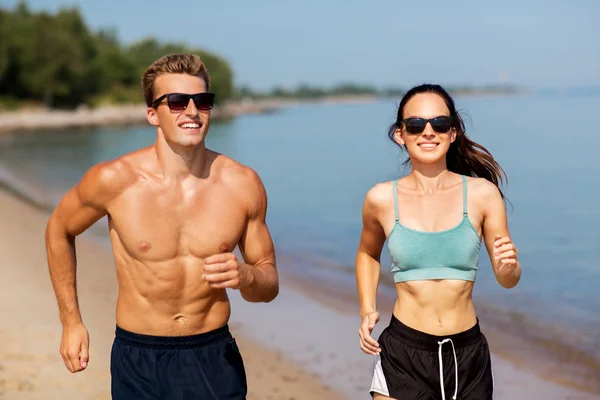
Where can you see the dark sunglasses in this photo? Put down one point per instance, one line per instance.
(180, 101)
(415, 126)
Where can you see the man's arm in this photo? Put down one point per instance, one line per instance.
(501, 250)
(261, 283)
(79, 209)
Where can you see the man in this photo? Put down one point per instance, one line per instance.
(176, 211)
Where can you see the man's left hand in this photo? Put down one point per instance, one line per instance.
(225, 271)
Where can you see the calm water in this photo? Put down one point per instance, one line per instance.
(318, 161)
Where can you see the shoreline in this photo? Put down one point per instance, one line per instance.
(127, 114)
(37, 119)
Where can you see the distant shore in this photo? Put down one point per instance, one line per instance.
(84, 117)
(37, 119)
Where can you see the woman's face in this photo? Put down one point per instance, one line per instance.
(426, 130)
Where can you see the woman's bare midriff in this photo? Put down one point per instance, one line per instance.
(437, 307)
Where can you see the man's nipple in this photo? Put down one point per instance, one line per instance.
(143, 245)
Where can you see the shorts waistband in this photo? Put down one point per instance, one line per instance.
(425, 341)
(173, 342)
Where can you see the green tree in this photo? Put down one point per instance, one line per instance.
(56, 60)
(3, 43)
(221, 75)
(18, 25)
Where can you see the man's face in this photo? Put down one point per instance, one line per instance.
(186, 128)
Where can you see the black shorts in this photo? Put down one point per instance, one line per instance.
(204, 366)
(408, 367)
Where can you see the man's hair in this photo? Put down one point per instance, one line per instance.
(188, 64)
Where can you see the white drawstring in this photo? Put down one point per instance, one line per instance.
(442, 369)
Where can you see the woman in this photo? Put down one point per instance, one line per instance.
(434, 220)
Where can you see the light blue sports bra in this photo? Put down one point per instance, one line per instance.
(449, 254)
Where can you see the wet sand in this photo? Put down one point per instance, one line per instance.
(30, 365)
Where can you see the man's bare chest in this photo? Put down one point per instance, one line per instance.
(164, 226)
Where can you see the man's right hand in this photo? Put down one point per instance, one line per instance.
(367, 343)
(74, 347)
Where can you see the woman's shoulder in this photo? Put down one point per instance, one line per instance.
(482, 188)
(380, 194)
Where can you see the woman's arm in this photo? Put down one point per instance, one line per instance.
(500, 247)
(368, 266)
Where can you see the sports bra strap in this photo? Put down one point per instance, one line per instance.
(396, 199)
(464, 195)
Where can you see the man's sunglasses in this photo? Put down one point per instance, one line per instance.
(180, 101)
(415, 126)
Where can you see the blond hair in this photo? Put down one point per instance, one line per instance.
(189, 64)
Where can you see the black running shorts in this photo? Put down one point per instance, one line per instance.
(408, 367)
(204, 366)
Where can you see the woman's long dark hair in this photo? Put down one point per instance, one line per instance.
(464, 156)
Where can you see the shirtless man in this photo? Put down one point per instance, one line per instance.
(176, 211)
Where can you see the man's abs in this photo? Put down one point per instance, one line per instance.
(168, 298)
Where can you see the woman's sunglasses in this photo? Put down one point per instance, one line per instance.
(415, 126)
(180, 101)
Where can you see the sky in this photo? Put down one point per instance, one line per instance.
(397, 43)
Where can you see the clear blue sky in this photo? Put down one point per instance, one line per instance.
(382, 42)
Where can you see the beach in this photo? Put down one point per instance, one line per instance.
(297, 347)
(320, 128)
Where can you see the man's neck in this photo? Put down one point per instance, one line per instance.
(181, 162)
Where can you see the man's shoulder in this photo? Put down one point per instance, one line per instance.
(111, 177)
(112, 173)
(235, 173)
(245, 184)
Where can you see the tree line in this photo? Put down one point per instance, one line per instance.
(57, 61)
(306, 91)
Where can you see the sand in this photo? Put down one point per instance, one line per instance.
(300, 346)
